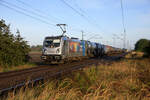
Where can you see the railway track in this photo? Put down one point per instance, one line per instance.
(15, 79)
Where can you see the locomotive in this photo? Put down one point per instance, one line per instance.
(63, 48)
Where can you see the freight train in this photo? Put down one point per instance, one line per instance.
(63, 48)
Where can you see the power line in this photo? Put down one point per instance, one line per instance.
(78, 31)
(82, 15)
(86, 17)
(85, 13)
(23, 13)
(123, 20)
(79, 13)
(38, 10)
(23, 9)
(35, 9)
(26, 12)
(81, 10)
(73, 9)
(94, 22)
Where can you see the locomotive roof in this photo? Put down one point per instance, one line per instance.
(67, 38)
(53, 37)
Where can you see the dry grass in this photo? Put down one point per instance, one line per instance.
(13, 68)
(135, 54)
(124, 80)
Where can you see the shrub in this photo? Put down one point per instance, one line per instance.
(143, 45)
(13, 49)
(148, 49)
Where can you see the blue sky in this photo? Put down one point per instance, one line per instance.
(104, 19)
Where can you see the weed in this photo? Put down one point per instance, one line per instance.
(124, 80)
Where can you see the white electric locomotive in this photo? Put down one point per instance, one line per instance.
(60, 48)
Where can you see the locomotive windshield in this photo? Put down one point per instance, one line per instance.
(52, 43)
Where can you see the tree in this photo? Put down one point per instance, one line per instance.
(148, 49)
(13, 49)
(141, 45)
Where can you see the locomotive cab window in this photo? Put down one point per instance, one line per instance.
(52, 43)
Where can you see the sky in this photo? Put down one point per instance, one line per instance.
(101, 20)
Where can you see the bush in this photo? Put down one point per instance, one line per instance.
(13, 49)
(148, 49)
(143, 45)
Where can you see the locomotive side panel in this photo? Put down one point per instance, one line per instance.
(65, 49)
(75, 48)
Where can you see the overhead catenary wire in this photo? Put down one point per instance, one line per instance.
(39, 11)
(85, 31)
(94, 22)
(41, 16)
(67, 4)
(78, 33)
(86, 17)
(79, 13)
(28, 15)
(85, 13)
(26, 10)
(123, 20)
(79, 8)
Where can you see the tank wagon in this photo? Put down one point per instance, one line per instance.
(63, 48)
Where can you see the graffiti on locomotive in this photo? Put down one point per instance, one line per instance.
(74, 46)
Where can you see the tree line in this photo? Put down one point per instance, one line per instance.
(13, 48)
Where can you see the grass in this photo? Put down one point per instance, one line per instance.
(33, 55)
(123, 80)
(14, 68)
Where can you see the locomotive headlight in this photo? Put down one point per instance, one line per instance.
(45, 51)
(58, 50)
